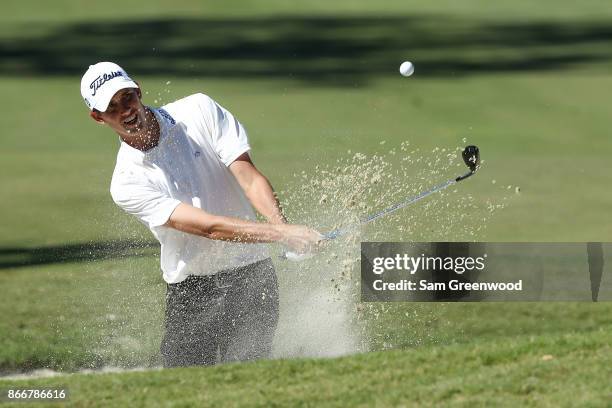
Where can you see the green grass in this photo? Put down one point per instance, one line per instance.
(85, 315)
(550, 370)
(526, 81)
(100, 313)
(58, 165)
(69, 10)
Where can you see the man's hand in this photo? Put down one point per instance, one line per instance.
(300, 238)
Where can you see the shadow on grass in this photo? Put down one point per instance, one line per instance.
(95, 251)
(332, 50)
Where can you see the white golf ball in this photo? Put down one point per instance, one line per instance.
(406, 69)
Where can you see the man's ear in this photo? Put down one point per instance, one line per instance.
(95, 115)
(138, 91)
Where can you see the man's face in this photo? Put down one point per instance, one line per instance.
(125, 113)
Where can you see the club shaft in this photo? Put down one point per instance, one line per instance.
(341, 231)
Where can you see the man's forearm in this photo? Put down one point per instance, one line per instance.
(257, 189)
(195, 221)
(263, 198)
(234, 229)
(192, 220)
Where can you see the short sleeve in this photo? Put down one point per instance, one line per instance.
(143, 199)
(229, 139)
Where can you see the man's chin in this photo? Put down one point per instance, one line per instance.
(139, 128)
(132, 131)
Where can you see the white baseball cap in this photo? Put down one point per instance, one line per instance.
(100, 83)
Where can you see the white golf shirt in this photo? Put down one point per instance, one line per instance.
(199, 139)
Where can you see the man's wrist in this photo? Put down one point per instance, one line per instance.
(278, 219)
(278, 231)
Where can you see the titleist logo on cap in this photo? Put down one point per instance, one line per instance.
(101, 80)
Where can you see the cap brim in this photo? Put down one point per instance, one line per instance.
(107, 93)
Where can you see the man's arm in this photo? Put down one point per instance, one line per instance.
(257, 189)
(192, 220)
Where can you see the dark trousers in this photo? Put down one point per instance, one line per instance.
(229, 316)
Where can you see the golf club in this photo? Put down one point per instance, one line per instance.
(471, 158)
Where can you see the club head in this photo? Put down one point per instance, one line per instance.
(471, 157)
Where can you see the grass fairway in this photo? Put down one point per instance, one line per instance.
(548, 370)
(555, 150)
(526, 81)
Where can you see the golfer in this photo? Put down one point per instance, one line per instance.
(185, 172)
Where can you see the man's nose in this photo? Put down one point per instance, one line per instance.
(126, 106)
(126, 111)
